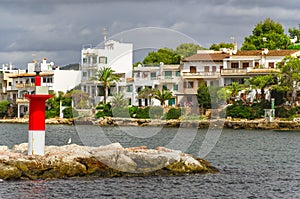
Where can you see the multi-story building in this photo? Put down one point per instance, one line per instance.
(203, 67)
(115, 55)
(247, 63)
(17, 83)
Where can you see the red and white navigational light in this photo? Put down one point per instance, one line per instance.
(37, 109)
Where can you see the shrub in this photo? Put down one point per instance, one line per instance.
(121, 112)
(156, 112)
(3, 108)
(283, 112)
(173, 113)
(52, 113)
(238, 111)
(142, 113)
(70, 112)
(132, 111)
(104, 111)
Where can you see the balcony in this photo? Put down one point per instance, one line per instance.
(25, 85)
(234, 72)
(169, 79)
(212, 75)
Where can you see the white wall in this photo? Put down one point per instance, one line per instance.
(65, 80)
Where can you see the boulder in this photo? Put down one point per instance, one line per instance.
(108, 161)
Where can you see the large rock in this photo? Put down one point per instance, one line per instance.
(111, 160)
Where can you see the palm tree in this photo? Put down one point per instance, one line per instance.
(119, 100)
(145, 94)
(162, 96)
(106, 76)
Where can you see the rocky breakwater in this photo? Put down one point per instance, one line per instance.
(105, 161)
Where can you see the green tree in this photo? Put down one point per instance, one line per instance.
(203, 97)
(4, 105)
(267, 34)
(162, 96)
(233, 90)
(118, 100)
(106, 76)
(165, 55)
(261, 82)
(145, 93)
(295, 32)
(221, 45)
(79, 98)
(290, 75)
(187, 49)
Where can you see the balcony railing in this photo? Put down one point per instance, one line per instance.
(234, 71)
(25, 85)
(201, 74)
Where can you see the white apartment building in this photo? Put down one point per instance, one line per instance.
(20, 82)
(118, 56)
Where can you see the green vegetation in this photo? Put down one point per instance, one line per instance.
(165, 55)
(162, 96)
(4, 105)
(106, 76)
(173, 113)
(267, 34)
(187, 49)
(217, 47)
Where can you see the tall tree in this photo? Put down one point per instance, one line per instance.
(262, 82)
(267, 34)
(290, 75)
(145, 93)
(106, 76)
(187, 49)
(221, 45)
(165, 55)
(203, 97)
(162, 96)
(295, 32)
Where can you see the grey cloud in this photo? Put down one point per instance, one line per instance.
(61, 27)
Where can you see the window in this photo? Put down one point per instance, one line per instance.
(94, 60)
(137, 74)
(153, 76)
(271, 64)
(164, 87)
(175, 87)
(168, 74)
(206, 69)
(256, 64)
(193, 69)
(144, 75)
(246, 65)
(84, 60)
(234, 65)
(214, 69)
(178, 74)
(189, 84)
(102, 60)
(84, 74)
(44, 79)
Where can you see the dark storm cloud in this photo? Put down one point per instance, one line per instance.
(59, 28)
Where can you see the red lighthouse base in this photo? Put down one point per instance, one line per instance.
(36, 133)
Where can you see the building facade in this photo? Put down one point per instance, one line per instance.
(116, 55)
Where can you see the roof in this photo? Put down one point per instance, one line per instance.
(270, 52)
(207, 57)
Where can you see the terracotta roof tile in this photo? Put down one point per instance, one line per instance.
(270, 53)
(206, 57)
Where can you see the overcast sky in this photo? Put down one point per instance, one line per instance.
(58, 29)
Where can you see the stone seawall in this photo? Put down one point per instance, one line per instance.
(202, 124)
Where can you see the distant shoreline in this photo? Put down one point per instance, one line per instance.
(259, 124)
